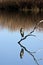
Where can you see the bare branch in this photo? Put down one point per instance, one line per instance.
(37, 50)
(37, 24)
(30, 34)
(26, 37)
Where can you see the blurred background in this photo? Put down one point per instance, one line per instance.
(16, 14)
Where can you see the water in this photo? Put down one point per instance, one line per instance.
(9, 36)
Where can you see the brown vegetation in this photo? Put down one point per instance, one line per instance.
(16, 21)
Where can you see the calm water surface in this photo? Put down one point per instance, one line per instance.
(9, 36)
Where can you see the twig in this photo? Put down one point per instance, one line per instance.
(37, 24)
(37, 51)
(26, 37)
(28, 52)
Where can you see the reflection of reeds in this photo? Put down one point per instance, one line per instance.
(16, 21)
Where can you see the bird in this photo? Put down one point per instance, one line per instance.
(22, 32)
(21, 53)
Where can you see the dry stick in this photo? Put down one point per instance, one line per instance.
(36, 26)
(37, 51)
(33, 52)
(30, 34)
(26, 37)
(29, 53)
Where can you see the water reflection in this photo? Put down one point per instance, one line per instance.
(9, 48)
